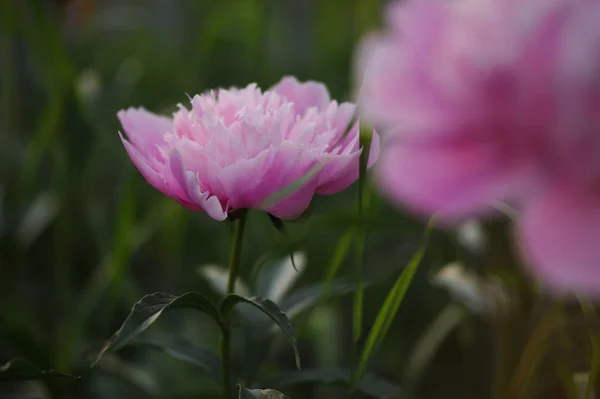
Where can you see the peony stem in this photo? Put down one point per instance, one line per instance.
(234, 263)
(236, 250)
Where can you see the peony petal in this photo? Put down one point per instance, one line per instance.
(241, 181)
(451, 180)
(342, 170)
(559, 236)
(145, 130)
(186, 190)
(142, 164)
(304, 95)
(291, 163)
(339, 172)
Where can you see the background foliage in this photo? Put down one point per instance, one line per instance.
(83, 237)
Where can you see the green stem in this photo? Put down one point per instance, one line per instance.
(234, 263)
(236, 250)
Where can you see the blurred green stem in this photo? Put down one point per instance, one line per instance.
(534, 351)
(234, 263)
(364, 199)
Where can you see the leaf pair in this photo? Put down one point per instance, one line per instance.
(22, 370)
(145, 312)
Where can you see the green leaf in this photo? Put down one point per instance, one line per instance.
(269, 308)
(148, 310)
(370, 385)
(260, 394)
(590, 313)
(181, 349)
(22, 370)
(389, 309)
(277, 223)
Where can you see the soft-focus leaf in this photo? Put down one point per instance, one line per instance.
(370, 385)
(429, 342)
(180, 349)
(308, 296)
(22, 370)
(141, 379)
(148, 310)
(38, 216)
(260, 394)
(534, 349)
(218, 278)
(271, 309)
(275, 280)
(388, 311)
(567, 382)
(592, 316)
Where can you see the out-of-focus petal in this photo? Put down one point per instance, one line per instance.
(450, 181)
(559, 237)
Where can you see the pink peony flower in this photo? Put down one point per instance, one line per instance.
(486, 101)
(237, 147)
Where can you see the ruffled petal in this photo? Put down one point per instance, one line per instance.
(341, 171)
(243, 181)
(304, 95)
(186, 190)
(145, 130)
(153, 176)
(559, 237)
(291, 163)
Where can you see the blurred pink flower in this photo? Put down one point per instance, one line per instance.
(486, 101)
(237, 147)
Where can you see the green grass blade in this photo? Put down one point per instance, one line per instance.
(534, 350)
(590, 314)
(388, 311)
(334, 266)
(363, 203)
